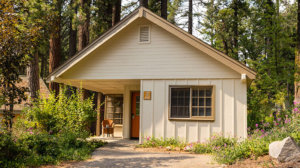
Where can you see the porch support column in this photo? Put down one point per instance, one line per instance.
(98, 122)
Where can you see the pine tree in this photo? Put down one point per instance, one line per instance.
(55, 43)
(164, 9)
(116, 12)
(144, 3)
(190, 17)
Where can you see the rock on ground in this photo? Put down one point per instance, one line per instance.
(285, 151)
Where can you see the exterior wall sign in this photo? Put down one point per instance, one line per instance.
(147, 95)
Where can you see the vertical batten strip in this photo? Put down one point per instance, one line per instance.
(222, 107)
(234, 111)
(165, 111)
(175, 127)
(152, 100)
(245, 112)
(186, 133)
(141, 112)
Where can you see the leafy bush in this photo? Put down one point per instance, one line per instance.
(64, 113)
(51, 130)
(258, 142)
(215, 143)
(38, 149)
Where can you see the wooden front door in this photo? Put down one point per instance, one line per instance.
(135, 114)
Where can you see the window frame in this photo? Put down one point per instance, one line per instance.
(106, 113)
(195, 118)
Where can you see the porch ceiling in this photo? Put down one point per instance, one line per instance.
(106, 86)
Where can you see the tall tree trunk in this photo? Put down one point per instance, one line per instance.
(55, 41)
(164, 9)
(190, 17)
(83, 28)
(11, 114)
(43, 66)
(72, 33)
(144, 3)
(33, 76)
(116, 12)
(225, 46)
(235, 29)
(297, 59)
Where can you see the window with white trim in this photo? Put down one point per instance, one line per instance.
(192, 102)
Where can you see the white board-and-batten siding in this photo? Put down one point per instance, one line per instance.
(165, 57)
(230, 111)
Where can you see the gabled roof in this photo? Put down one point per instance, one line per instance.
(164, 24)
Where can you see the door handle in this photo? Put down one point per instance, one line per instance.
(132, 116)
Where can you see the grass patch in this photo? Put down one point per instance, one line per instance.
(169, 143)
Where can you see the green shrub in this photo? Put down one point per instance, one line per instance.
(64, 113)
(214, 143)
(51, 130)
(242, 150)
(39, 149)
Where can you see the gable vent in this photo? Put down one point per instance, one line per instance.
(144, 34)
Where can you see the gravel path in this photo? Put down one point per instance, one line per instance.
(121, 153)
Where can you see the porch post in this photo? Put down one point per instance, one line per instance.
(98, 122)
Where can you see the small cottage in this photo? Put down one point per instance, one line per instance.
(162, 82)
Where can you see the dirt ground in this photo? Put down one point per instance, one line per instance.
(264, 162)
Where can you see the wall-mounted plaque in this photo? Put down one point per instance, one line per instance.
(147, 95)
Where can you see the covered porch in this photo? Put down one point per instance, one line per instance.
(117, 100)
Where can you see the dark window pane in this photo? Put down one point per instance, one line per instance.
(201, 111)
(187, 112)
(208, 111)
(195, 102)
(194, 111)
(187, 101)
(208, 92)
(195, 92)
(187, 93)
(181, 93)
(208, 101)
(201, 101)
(174, 101)
(201, 93)
(173, 111)
(137, 110)
(180, 102)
